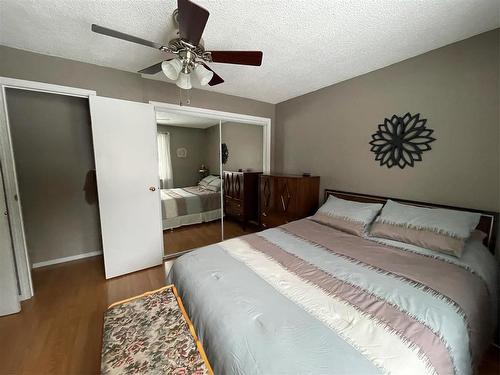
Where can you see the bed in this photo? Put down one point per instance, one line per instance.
(189, 205)
(307, 298)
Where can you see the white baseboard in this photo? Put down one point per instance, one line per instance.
(66, 259)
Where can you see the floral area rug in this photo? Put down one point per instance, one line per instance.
(151, 334)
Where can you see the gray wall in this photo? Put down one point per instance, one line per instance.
(52, 143)
(245, 145)
(115, 83)
(244, 142)
(185, 170)
(455, 87)
(327, 132)
(212, 139)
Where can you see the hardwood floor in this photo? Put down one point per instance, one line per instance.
(234, 229)
(198, 235)
(59, 331)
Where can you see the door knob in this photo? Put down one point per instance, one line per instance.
(152, 188)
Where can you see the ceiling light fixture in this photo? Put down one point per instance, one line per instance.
(185, 53)
(184, 81)
(180, 71)
(203, 75)
(172, 68)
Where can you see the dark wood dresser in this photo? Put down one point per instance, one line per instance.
(241, 191)
(285, 198)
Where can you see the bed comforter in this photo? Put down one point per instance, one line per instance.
(187, 201)
(306, 298)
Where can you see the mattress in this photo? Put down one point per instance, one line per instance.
(189, 205)
(306, 298)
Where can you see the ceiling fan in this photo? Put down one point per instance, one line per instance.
(186, 54)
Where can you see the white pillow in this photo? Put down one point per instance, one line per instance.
(436, 229)
(348, 216)
(214, 185)
(458, 224)
(204, 182)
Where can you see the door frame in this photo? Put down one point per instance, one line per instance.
(265, 122)
(9, 291)
(10, 176)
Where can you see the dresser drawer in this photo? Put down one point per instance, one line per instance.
(285, 198)
(234, 184)
(270, 220)
(241, 191)
(233, 207)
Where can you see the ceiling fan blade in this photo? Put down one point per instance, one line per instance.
(129, 38)
(216, 79)
(153, 69)
(237, 57)
(192, 20)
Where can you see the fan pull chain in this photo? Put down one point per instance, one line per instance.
(188, 97)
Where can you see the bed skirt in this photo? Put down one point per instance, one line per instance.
(201, 217)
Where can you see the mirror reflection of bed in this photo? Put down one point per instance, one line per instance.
(209, 179)
(190, 183)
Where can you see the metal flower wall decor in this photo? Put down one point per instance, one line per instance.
(401, 141)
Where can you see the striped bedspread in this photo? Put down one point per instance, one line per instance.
(306, 298)
(187, 201)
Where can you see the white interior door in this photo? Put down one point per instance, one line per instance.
(126, 161)
(9, 294)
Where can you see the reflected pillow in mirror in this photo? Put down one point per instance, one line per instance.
(214, 185)
(204, 182)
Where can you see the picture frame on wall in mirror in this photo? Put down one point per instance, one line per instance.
(181, 152)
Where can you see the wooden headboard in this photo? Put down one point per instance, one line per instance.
(487, 224)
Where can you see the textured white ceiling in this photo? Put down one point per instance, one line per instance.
(307, 44)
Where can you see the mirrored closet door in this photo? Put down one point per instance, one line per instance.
(190, 181)
(242, 165)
